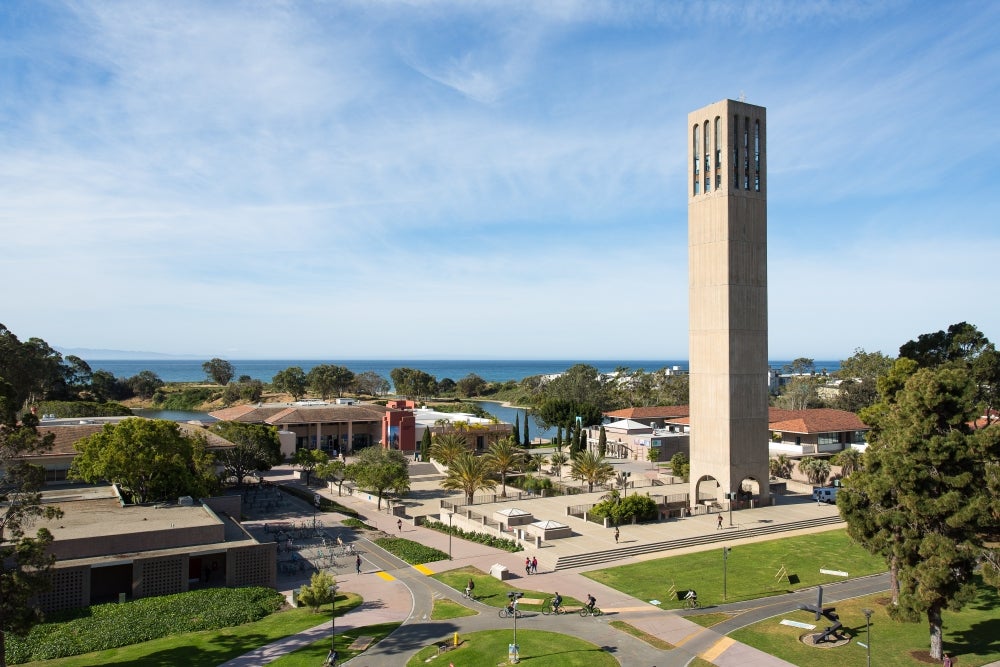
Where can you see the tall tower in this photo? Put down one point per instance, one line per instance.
(727, 255)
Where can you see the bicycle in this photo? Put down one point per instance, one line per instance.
(691, 603)
(507, 613)
(587, 611)
(549, 609)
(469, 594)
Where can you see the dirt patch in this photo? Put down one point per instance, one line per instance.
(924, 656)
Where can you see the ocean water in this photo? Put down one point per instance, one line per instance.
(491, 370)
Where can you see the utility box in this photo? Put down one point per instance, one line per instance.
(500, 572)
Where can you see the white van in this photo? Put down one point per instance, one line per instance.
(826, 494)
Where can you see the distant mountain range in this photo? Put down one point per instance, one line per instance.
(95, 355)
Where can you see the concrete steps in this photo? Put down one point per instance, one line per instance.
(597, 557)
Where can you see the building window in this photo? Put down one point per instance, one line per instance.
(756, 155)
(828, 439)
(746, 153)
(736, 152)
(718, 148)
(708, 161)
(718, 181)
(708, 183)
(697, 186)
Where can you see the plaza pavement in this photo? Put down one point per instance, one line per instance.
(396, 592)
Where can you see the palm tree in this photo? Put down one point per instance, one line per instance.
(590, 468)
(780, 466)
(447, 447)
(469, 473)
(535, 461)
(849, 460)
(817, 470)
(557, 459)
(505, 456)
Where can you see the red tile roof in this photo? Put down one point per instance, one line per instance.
(815, 420)
(300, 414)
(655, 412)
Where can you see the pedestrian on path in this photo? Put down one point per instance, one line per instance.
(616, 534)
(357, 563)
(718, 526)
(331, 658)
(527, 566)
(534, 565)
(399, 525)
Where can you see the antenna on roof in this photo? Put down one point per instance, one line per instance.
(743, 96)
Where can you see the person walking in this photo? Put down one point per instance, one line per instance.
(357, 563)
(718, 526)
(534, 565)
(527, 566)
(617, 534)
(399, 525)
(331, 658)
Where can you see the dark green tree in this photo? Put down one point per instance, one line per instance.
(919, 499)
(859, 376)
(219, 371)
(470, 385)
(334, 471)
(257, 448)
(144, 384)
(516, 432)
(581, 383)
(327, 379)
(527, 436)
(292, 381)
(25, 561)
(446, 386)
(559, 412)
(151, 459)
(307, 460)
(425, 445)
(413, 382)
(591, 468)
(381, 471)
(371, 384)
(680, 465)
(602, 442)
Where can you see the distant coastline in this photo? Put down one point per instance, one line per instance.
(491, 370)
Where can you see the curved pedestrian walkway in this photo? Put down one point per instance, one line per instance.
(396, 592)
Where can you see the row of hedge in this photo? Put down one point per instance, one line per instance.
(494, 541)
(107, 626)
(411, 552)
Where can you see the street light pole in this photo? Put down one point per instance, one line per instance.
(725, 568)
(868, 632)
(449, 533)
(333, 616)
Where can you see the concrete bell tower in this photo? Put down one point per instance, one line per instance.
(727, 255)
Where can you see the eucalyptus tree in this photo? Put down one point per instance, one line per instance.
(291, 380)
(588, 467)
(219, 371)
(469, 473)
(380, 471)
(327, 379)
(505, 456)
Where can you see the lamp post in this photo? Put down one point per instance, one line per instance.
(514, 654)
(725, 568)
(333, 616)
(449, 533)
(868, 632)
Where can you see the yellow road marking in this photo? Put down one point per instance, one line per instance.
(717, 650)
(386, 576)
(685, 639)
(423, 569)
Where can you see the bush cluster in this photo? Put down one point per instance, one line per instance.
(107, 626)
(354, 522)
(494, 541)
(67, 409)
(190, 398)
(412, 552)
(530, 482)
(643, 508)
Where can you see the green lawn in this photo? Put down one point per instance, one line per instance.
(537, 647)
(750, 573)
(211, 647)
(493, 592)
(973, 635)
(445, 609)
(315, 653)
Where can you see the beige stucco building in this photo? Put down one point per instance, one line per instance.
(727, 250)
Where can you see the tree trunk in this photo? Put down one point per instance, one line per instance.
(894, 580)
(503, 483)
(934, 621)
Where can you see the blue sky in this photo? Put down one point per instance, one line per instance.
(484, 179)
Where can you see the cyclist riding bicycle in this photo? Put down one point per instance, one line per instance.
(692, 597)
(591, 601)
(469, 587)
(556, 602)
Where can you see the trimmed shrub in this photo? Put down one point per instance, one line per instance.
(325, 504)
(114, 625)
(412, 552)
(494, 541)
(643, 508)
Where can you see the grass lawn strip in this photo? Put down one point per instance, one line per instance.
(314, 654)
(446, 609)
(209, 648)
(489, 647)
(970, 635)
(710, 619)
(409, 551)
(493, 592)
(751, 570)
(652, 640)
